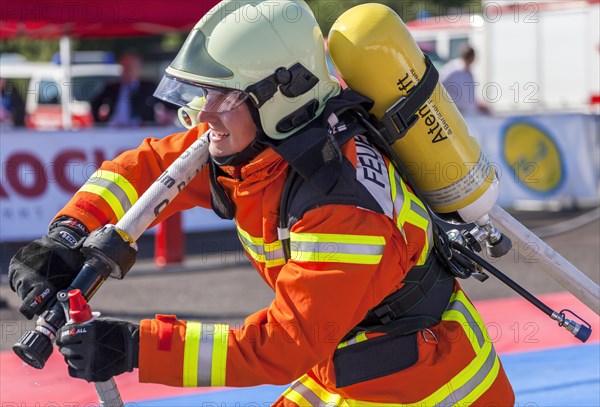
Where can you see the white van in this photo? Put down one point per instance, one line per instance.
(43, 97)
(532, 56)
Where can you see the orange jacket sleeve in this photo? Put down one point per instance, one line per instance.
(344, 261)
(118, 183)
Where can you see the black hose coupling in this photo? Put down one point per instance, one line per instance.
(115, 246)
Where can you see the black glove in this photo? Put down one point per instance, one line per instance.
(47, 265)
(99, 350)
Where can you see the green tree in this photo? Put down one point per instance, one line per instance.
(327, 11)
(33, 50)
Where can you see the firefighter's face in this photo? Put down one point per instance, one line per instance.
(231, 131)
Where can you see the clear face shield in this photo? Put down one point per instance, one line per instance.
(195, 98)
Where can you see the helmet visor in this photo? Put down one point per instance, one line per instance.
(197, 96)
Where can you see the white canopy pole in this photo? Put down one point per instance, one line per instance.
(66, 86)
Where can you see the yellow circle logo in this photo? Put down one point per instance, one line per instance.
(533, 157)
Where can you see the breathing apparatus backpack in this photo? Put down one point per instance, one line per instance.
(416, 124)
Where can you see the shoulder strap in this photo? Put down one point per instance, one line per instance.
(306, 194)
(316, 148)
(300, 195)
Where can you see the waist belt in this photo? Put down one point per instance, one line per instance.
(417, 305)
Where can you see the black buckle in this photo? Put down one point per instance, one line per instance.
(401, 116)
(385, 314)
(395, 124)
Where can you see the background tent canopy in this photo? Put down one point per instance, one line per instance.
(105, 18)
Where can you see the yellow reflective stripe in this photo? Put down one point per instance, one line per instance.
(486, 383)
(252, 250)
(219, 359)
(477, 366)
(295, 397)
(107, 195)
(318, 257)
(418, 212)
(392, 179)
(306, 392)
(277, 261)
(120, 180)
(205, 354)
(325, 397)
(422, 211)
(190, 354)
(270, 253)
(336, 248)
(453, 315)
(301, 395)
(205, 357)
(410, 209)
(254, 240)
(417, 201)
(360, 337)
(274, 263)
(417, 217)
(398, 201)
(115, 189)
(422, 223)
(337, 238)
(405, 205)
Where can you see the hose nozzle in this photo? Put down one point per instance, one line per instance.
(581, 331)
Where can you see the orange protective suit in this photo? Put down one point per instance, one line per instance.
(344, 261)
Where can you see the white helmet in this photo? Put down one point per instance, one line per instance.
(269, 51)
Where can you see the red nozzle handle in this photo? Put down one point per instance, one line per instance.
(79, 311)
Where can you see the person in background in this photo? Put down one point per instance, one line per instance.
(457, 78)
(129, 103)
(12, 108)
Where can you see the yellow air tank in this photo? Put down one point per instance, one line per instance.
(376, 56)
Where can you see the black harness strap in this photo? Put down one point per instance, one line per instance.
(332, 184)
(418, 282)
(315, 149)
(417, 305)
(399, 118)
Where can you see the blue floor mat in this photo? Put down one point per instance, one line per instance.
(557, 377)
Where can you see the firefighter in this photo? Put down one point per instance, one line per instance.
(364, 313)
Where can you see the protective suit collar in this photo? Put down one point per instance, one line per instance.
(315, 150)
